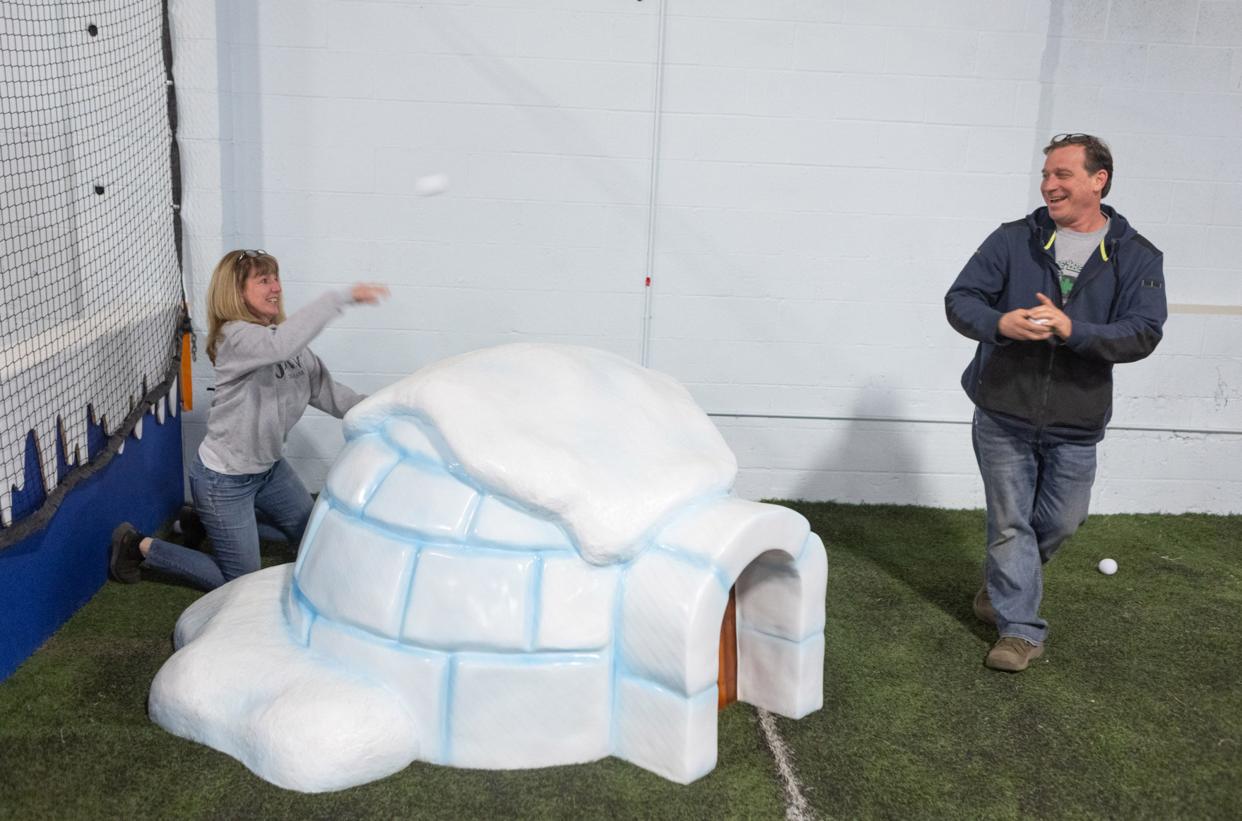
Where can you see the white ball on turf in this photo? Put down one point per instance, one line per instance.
(431, 184)
(1108, 567)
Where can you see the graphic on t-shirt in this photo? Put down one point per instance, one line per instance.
(1070, 269)
(1073, 249)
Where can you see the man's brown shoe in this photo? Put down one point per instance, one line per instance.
(1012, 654)
(984, 611)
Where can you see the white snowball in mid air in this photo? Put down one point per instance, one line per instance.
(431, 184)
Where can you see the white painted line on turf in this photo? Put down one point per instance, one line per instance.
(796, 808)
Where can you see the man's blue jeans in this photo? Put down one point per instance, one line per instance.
(234, 509)
(1038, 493)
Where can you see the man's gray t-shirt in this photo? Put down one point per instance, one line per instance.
(1073, 249)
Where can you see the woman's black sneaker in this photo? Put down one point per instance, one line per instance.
(193, 534)
(125, 558)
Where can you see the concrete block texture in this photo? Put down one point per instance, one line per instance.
(801, 181)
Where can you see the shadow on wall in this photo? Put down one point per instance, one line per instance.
(240, 125)
(887, 465)
(240, 73)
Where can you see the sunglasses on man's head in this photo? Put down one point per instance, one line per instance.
(255, 254)
(1072, 139)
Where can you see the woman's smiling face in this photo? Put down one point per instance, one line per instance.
(262, 294)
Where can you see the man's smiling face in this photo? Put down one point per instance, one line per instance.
(1071, 194)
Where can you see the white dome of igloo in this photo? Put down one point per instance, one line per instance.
(604, 446)
(521, 558)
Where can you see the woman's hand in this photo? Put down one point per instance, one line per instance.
(369, 293)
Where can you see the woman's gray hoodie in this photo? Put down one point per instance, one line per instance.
(265, 377)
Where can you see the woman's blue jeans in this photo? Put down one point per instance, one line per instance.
(1038, 493)
(233, 509)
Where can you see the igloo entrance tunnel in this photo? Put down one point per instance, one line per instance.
(521, 558)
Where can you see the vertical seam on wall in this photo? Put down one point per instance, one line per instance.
(1049, 60)
(657, 113)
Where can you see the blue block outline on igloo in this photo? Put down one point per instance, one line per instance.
(647, 629)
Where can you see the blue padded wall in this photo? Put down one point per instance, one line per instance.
(46, 577)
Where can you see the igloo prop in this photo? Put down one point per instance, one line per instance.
(521, 558)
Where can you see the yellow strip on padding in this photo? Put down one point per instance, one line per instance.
(1051, 240)
(1103, 253)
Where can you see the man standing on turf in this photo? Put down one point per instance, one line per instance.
(1054, 300)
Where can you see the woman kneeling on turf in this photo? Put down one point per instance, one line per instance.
(265, 377)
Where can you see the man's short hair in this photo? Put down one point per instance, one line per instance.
(1097, 156)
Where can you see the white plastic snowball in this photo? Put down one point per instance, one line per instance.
(431, 184)
(1108, 566)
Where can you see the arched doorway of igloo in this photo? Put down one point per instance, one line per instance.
(674, 633)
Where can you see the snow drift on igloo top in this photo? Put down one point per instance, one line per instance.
(605, 446)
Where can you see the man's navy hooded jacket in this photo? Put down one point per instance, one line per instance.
(1060, 388)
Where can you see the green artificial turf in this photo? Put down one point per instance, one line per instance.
(1135, 711)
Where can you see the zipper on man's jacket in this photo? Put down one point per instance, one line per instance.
(1042, 418)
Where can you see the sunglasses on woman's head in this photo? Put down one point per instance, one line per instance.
(255, 254)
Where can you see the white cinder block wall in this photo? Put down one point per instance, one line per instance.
(819, 171)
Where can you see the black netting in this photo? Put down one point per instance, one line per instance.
(90, 285)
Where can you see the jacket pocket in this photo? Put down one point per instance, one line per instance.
(1082, 392)
(1011, 380)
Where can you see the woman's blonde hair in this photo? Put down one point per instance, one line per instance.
(225, 302)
